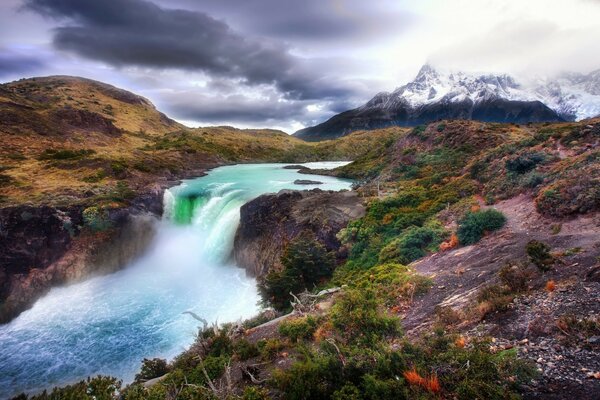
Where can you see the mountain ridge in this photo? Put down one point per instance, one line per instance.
(435, 95)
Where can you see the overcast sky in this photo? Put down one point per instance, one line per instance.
(287, 64)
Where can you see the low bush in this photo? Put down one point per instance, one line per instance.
(96, 388)
(412, 244)
(493, 298)
(245, 350)
(577, 194)
(298, 328)
(357, 318)
(524, 162)
(515, 277)
(539, 255)
(269, 348)
(392, 283)
(96, 219)
(475, 224)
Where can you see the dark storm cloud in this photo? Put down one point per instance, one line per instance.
(234, 108)
(307, 20)
(14, 63)
(140, 33)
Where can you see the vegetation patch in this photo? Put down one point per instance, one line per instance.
(65, 154)
(475, 225)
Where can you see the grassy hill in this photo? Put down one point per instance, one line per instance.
(65, 140)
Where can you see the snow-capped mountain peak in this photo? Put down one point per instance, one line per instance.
(573, 96)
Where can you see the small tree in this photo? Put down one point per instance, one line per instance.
(152, 369)
(306, 262)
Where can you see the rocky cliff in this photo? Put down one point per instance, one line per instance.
(270, 221)
(43, 247)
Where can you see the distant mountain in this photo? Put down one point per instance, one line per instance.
(435, 95)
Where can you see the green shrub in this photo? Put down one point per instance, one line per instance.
(576, 194)
(298, 328)
(357, 318)
(391, 282)
(269, 348)
(474, 225)
(494, 298)
(119, 167)
(65, 154)
(539, 255)
(524, 162)
(254, 393)
(152, 369)
(245, 350)
(96, 219)
(412, 244)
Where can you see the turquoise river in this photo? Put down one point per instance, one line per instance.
(108, 324)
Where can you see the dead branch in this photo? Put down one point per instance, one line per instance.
(324, 292)
(199, 318)
(342, 358)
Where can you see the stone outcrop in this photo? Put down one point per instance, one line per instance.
(43, 247)
(270, 221)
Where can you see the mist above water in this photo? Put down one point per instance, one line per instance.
(108, 324)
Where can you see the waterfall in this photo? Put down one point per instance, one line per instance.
(108, 324)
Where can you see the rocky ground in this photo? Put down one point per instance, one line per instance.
(557, 328)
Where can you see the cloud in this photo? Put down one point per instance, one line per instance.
(312, 21)
(140, 33)
(223, 102)
(15, 63)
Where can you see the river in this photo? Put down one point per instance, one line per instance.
(108, 324)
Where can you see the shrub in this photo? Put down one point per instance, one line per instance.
(356, 317)
(245, 350)
(96, 219)
(493, 298)
(254, 393)
(152, 369)
(515, 277)
(269, 348)
(539, 255)
(298, 328)
(96, 388)
(474, 225)
(412, 245)
(391, 282)
(524, 162)
(577, 194)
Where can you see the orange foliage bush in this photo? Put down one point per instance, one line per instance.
(449, 244)
(460, 342)
(550, 286)
(387, 218)
(323, 332)
(413, 378)
(431, 384)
